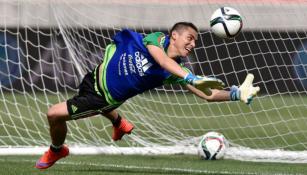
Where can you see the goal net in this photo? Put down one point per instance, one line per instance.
(47, 46)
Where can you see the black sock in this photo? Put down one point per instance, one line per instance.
(55, 148)
(116, 122)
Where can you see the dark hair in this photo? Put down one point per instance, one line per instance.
(182, 25)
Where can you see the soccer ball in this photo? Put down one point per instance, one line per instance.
(212, 145)
(226, 22)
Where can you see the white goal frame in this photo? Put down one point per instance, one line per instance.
(76, 32)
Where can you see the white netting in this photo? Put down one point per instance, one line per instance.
(47, 46)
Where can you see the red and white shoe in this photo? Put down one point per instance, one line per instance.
(124, 127)
(50, 157)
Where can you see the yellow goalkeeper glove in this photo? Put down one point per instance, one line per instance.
(203, 83)
(246, 92)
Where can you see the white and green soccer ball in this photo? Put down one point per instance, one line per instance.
(212, 146)
(226, 22)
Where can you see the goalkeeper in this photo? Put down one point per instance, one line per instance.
(133, 64)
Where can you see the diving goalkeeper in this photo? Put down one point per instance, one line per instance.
(133, 64)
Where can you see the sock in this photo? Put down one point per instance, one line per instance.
(55, 148)
(116, 122)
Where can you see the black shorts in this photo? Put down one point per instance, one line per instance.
(87, 102)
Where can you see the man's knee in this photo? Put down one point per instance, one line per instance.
(54, 115)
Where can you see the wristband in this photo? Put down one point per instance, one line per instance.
(234, 93)
(189, 78)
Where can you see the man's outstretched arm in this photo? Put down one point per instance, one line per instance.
(174, 68)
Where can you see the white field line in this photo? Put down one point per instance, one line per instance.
(234, 153)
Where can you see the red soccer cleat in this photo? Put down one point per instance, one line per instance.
(124, 128)
(50, 157)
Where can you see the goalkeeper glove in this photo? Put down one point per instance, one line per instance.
(205, 84)
(246, 91)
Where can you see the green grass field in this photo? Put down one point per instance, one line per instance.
(138, 165)
(271, 122)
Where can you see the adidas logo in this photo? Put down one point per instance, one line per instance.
(74, 108)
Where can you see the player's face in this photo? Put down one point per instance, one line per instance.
(185, 41)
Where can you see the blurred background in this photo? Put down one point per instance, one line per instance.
(46, 46)
(272, 44)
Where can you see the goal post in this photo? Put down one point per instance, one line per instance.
(47, 46)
